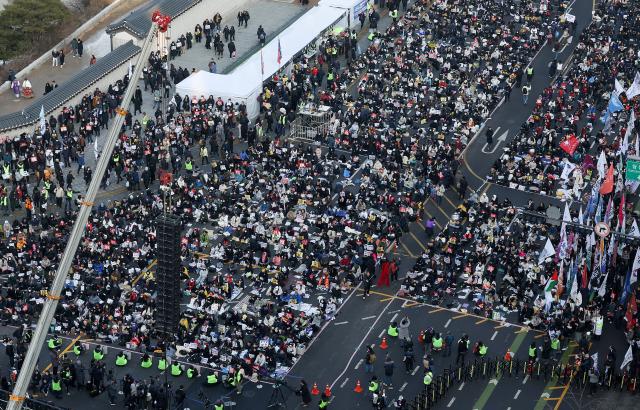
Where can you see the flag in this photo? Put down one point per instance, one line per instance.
(626, 289)
(602, 164)
(261, 63)
(581, 216)
(594, 358)
(567, 170)
(621, 214)
(607, 184)
(598, 216)
(585, 277)
(608, 214)
(547, 251)
(573, 286)
(43, 121)
(624, 147)
(570, 144)
(130, 71)
(618, 86)
(603, 287)
(634, 89)
(564, 244)
(552, 282)
(633, 277)
(632, 310)
(560, 285)
(634, 229)
(628, 357)
(279, 52)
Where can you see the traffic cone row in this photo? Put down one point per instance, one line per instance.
(315, 390)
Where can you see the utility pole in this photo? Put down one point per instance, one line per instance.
(16, 399)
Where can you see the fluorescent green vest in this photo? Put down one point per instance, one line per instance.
(146, 363)
(483, 350)
(55, 385)
(392, 331)
(212, 379)
(532, 352)
(162, 364)
(121, 360)
(555, 344)
(175, 369)
(373, 386)
(97, 355)
(77, 350)
(428, 377)
(437, 343)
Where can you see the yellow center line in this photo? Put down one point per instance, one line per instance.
(407, 249)
(411, 304)
(145, 270)
(556, 387)
(460, 316)
(552, 398)
(452, 204)
(481, 321)
(440, 309)
(65, 351)
(539, 336)
(385, 300)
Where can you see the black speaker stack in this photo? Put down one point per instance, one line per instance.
(167, 312)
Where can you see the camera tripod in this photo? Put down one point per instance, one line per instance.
(277, 399)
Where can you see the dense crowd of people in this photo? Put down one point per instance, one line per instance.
(570, 109)
(270, 223)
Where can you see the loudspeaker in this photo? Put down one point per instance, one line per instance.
(167, 312)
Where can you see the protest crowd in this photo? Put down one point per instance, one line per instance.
(276, 232)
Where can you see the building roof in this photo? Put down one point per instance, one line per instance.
(74, 86)
(138, 22)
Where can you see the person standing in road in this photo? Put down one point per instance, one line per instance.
(448, 342)
(389, 365)
(429, 227)
(366, 283)
(525, 93)
(462, 187)
(463, 348)
(369, 360)
(303, 392)
(489, 135)
(593, 381)
(403, 329)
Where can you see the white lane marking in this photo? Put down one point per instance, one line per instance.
(517, 394)
(381, 333)
(340, 323)
(359, 364)
(394, 318)
(451, 402)
(403, 386)
(494, 335)
(413, 373)
(526, 379)
(393, 311)
(344, 382)
(461, 387)
(357, 349)
(326, 325)
(368, 317)
(446, 325)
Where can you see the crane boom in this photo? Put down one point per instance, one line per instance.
(17, 398)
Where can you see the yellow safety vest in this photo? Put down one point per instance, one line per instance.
(428, 377)
(392, 331)
(98, 355)
(146, 363)
(212, 379)
(121, 360)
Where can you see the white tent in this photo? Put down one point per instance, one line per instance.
(244, 84)
(353, 8)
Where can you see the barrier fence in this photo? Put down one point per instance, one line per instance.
(541, 370)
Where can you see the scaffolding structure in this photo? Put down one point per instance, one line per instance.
(311, 124)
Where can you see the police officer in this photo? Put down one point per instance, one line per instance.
(427, 379)
(392, 331)
(212, 379)
(56, 387)
(533, 352)
(162, 364)
(78, 349)
(437, 342)
(176, 370)
(374, 385)
(121, 359)
(98, 354)
(219, 405)
(54, 342)
(192, 372)
(324, 402)
(146, 362)
(482, 349)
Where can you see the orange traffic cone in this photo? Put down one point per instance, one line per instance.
(327, 391)
(315, 390)
(358, 388)
(384, 344)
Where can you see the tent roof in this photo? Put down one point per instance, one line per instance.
(242, 81)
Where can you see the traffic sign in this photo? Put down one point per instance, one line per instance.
(602, 229)
(633, 168)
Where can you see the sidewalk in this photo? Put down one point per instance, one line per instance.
(273, 15)
(46, 73)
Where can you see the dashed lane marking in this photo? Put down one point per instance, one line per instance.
(446, 325)
(402, 387)
(341, 323)
(369, 317)
(525, 380)
(344, 383)
(413, 373)
(359, 364)
(461, 387)
(394, 317)
(381, 333)
(494, 335)
(517, 394)
(451, 402)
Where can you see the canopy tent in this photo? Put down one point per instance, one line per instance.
(244, 84)
(353, 8)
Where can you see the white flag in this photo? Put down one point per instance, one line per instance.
(628, 357)
(619, 87)
(43, 121)
(624, 147)
(594, 357)
(546, 252)
(574, 283)
(603, 286)
(567, 170)
(602, 165)
(634, 229)
(580, 217)
(634, 89)
(634, 269)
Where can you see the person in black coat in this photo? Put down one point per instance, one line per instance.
(304, 393)
(232, 48)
